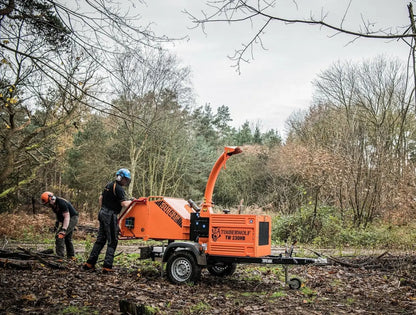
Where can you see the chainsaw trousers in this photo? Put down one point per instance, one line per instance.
(61, 243)
(107, 233)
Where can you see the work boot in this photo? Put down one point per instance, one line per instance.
(107, 270)
(88, 266)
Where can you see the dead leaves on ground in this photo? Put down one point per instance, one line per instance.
(352, 287)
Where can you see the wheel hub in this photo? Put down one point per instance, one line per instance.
(182, 269)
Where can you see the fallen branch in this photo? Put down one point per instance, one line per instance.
(384, 261)
(343, 263)
(358, 265)
(42, 260)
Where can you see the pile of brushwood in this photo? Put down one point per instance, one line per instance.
(34, 282)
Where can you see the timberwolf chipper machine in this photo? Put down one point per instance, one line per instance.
(199, 238)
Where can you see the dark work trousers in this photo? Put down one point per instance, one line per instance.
(107, 233)
(61, 243)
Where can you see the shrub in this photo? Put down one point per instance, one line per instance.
(327, 229)
(304, 227)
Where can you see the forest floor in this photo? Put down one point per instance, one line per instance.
(367, 284)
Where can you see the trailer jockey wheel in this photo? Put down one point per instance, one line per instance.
(222, 269)
(181, 268)
(294, 284)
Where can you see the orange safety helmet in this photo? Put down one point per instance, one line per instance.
(46, 197)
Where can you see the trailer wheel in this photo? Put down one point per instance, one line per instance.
(294, 284)
(222, 269)
(182, 268)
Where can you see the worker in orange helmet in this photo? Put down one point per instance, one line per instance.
(66, 220)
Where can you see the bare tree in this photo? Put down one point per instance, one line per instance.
(261, 14)
(151, 85)
(97, 29)
(34, 111)
(54, 58)
(359, 118)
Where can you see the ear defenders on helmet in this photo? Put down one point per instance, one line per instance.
(123, 173)
(46, 197)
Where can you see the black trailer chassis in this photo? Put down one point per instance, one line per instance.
(184, 261)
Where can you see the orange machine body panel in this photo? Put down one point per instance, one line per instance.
(158, 218)
(239, 235)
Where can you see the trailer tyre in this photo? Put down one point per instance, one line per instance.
(222, 269)
(182, 268)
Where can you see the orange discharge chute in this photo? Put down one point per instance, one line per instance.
(209, 189)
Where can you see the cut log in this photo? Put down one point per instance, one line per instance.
(16, 255)
(16, 263)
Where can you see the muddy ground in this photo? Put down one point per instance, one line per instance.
(377, 284)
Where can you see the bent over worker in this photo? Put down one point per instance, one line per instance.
(66, 220)
(112, 200)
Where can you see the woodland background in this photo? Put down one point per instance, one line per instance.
(82, 96)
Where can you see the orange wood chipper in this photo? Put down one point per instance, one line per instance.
(199, 238)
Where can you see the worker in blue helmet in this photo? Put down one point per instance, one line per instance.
(123, 174)
(112, 200)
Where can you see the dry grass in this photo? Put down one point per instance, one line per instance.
(18, 225)
(21, 225)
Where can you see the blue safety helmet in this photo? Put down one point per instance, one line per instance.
(123, 172)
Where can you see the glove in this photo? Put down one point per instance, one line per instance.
(62, 233)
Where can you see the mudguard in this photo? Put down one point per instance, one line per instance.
(193, 247)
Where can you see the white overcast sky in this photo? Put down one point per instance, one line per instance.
(278, 81)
